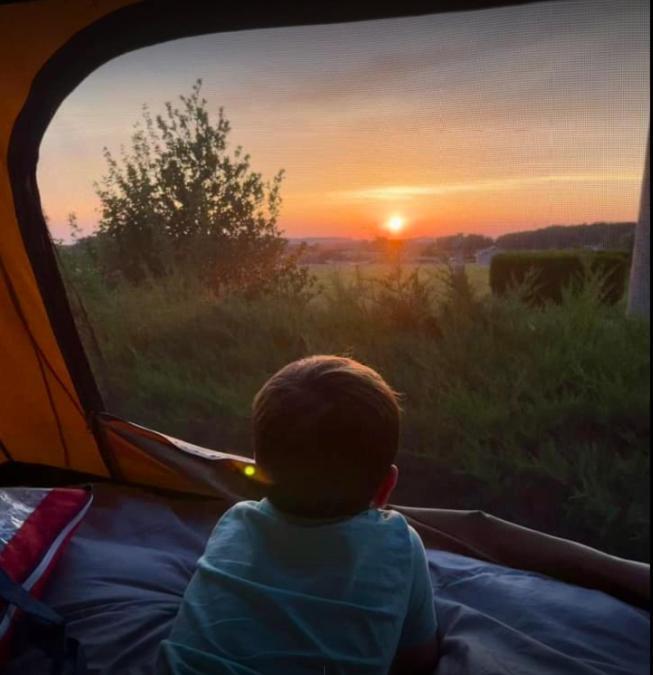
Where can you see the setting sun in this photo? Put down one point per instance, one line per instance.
(395, 224)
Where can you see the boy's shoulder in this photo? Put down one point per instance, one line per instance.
(379, 534)
(372, 515)
(374, 522)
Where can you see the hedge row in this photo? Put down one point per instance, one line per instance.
(553, 271)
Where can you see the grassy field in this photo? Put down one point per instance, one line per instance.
(477, 275)
(537, 415)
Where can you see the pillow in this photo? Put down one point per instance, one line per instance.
(35, 526)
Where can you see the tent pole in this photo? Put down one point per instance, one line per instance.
(639, 293)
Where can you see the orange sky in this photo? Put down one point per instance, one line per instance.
(480, 122)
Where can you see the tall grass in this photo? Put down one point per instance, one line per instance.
(539, 407)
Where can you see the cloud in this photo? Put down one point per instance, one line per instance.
(408, 192)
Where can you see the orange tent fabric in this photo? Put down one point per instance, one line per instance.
(41, 417)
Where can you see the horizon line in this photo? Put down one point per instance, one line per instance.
(389, 236)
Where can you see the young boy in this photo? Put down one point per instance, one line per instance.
(315, 579)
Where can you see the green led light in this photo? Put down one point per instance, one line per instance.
(249, 470)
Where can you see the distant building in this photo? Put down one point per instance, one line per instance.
(484, 257)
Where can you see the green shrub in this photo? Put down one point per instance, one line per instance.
(547, 275)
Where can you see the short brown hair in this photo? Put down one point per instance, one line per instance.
(326, 430)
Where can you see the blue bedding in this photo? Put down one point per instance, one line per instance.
(122, 577)
(500, 620)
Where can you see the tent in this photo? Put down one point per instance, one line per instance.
(53, 424)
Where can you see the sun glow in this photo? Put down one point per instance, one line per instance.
(395, 224)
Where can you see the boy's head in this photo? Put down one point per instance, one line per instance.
(326, 432)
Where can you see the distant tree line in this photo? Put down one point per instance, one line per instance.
(605, 236)
(609, 236)
(615, 236)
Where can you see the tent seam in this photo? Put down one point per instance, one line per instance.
(35, 345)
(42, 361)
(4, 451)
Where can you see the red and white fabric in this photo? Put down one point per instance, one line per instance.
(35, 526)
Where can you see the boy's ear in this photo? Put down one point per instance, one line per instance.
(388, 484)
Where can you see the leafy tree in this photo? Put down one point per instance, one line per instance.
(179, 199)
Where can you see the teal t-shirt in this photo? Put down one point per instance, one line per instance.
(274, 594)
